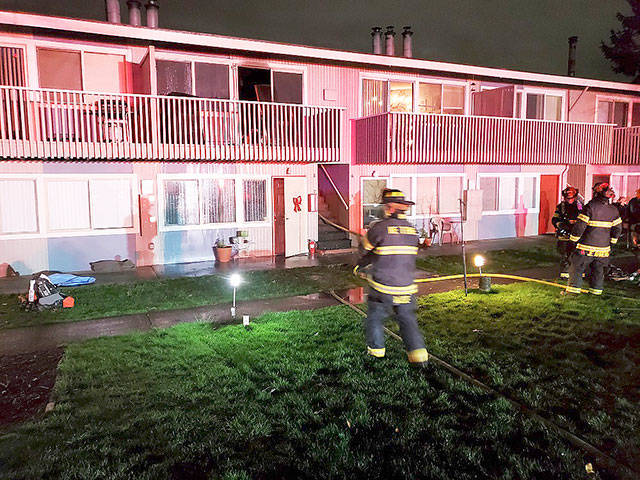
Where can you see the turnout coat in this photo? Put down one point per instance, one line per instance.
(597, 228)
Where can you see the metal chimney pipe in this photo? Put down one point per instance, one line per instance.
(407, 42)
(113, 11)
(389, 41)
(571, 64)
(152, 13)
(135, 15)
(376, 40)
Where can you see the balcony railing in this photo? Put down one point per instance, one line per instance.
(430, 138)
(626, 146)
(50, 124)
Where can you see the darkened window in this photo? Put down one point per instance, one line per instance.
(620, 113)
(287, 87)
(255, 200)
(635, 115)
(535, 106)
(212, 81)
(11, 66)
(59, 69)
(173, 77)
(254, 84)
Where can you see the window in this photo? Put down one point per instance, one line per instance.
(400, 97)
(610, 111)
(433, 195)
(541, 106)
(453, 100)
(429, 98)
(59, 69)
(450, 189)
(12, 66)
(181, 202)
(212, 80)
(255, 200)
(506, 193)
(374, 97)
(173, 77)
(635, 115)
(372, 200)
(18, 206)
(426, 196)
(633, 184)
(111, 203)
(287, 87)
(218, 197)
(104, 73)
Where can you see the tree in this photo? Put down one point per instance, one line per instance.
(624, 49)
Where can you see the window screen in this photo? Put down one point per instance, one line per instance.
(429, 98)
(218, 200)
(59, 69)
(450, 194)
(374, 97)
(181, 202)
(173, 77)
(212, 81)
(489, 187)
(68, 204)
(255, 200)
(553, 108)
(535, 106)
(426, 196)
(287, 87)
(18, 211)
(111, 205)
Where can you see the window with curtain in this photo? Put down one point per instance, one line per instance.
(181, 202)
(450, 192)
(372, 200)
(111, 203)
(453, 99)
(426, 196)
(18, 206)
(400, 96)
(255, 200)
(553, 108)
(59, 69)
(489, 187)
(218, 197)
(429, 98)
(68, 204)
(374, 97)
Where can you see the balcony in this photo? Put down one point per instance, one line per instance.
(432, 138)
(56, 124)
(626, 146)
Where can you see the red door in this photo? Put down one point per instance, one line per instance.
(549, 185)
(278, 216)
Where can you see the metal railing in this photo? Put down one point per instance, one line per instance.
(50, 124)
(626, 146)
(436, 138)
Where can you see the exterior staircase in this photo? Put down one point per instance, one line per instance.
(330, 237)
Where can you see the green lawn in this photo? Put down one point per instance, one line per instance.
(295, 397)
(98, 301)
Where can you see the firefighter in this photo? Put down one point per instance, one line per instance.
(563, 220)
(391, 246)
(598, 227)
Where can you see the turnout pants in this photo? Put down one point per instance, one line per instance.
(404, 309)
(579, 264)
(565, 249)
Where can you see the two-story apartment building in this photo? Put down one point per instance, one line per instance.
(152, 144)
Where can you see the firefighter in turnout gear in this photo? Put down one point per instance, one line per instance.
(391, 246)
(598, 227)
(563, 220)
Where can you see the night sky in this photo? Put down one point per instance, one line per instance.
(520, 34)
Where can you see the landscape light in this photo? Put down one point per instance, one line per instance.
(234, 280)
(478, 261)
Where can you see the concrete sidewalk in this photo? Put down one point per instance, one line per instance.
(15, 285)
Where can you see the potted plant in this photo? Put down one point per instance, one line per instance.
(222, 251)
(425, 241)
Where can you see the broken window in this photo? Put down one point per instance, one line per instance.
(181, 202)
(218, 198)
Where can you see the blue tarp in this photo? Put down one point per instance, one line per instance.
(69, 280)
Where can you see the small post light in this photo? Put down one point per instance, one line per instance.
(478, 261)
(485, 282)
(234, 280)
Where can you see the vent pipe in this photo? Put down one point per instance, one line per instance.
(135, 15)
(152, 13)
(113, 11)
(571, 64)
(376, 40)
(407, 42)
(389, 41)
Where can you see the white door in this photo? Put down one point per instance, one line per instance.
(295, 215)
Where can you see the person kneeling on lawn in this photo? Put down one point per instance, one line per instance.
(598, 227)
(391, 246)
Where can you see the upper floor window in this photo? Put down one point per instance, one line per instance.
(12, 66)
(206, 80)
(617, 112)
(380, 96)
(542, 106)
(60, 69)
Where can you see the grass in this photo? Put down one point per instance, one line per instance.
(98, 301)
(295, 397)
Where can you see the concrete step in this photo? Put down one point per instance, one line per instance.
(332, 236)
(334, 244)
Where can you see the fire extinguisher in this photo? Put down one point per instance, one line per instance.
(312, 248)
